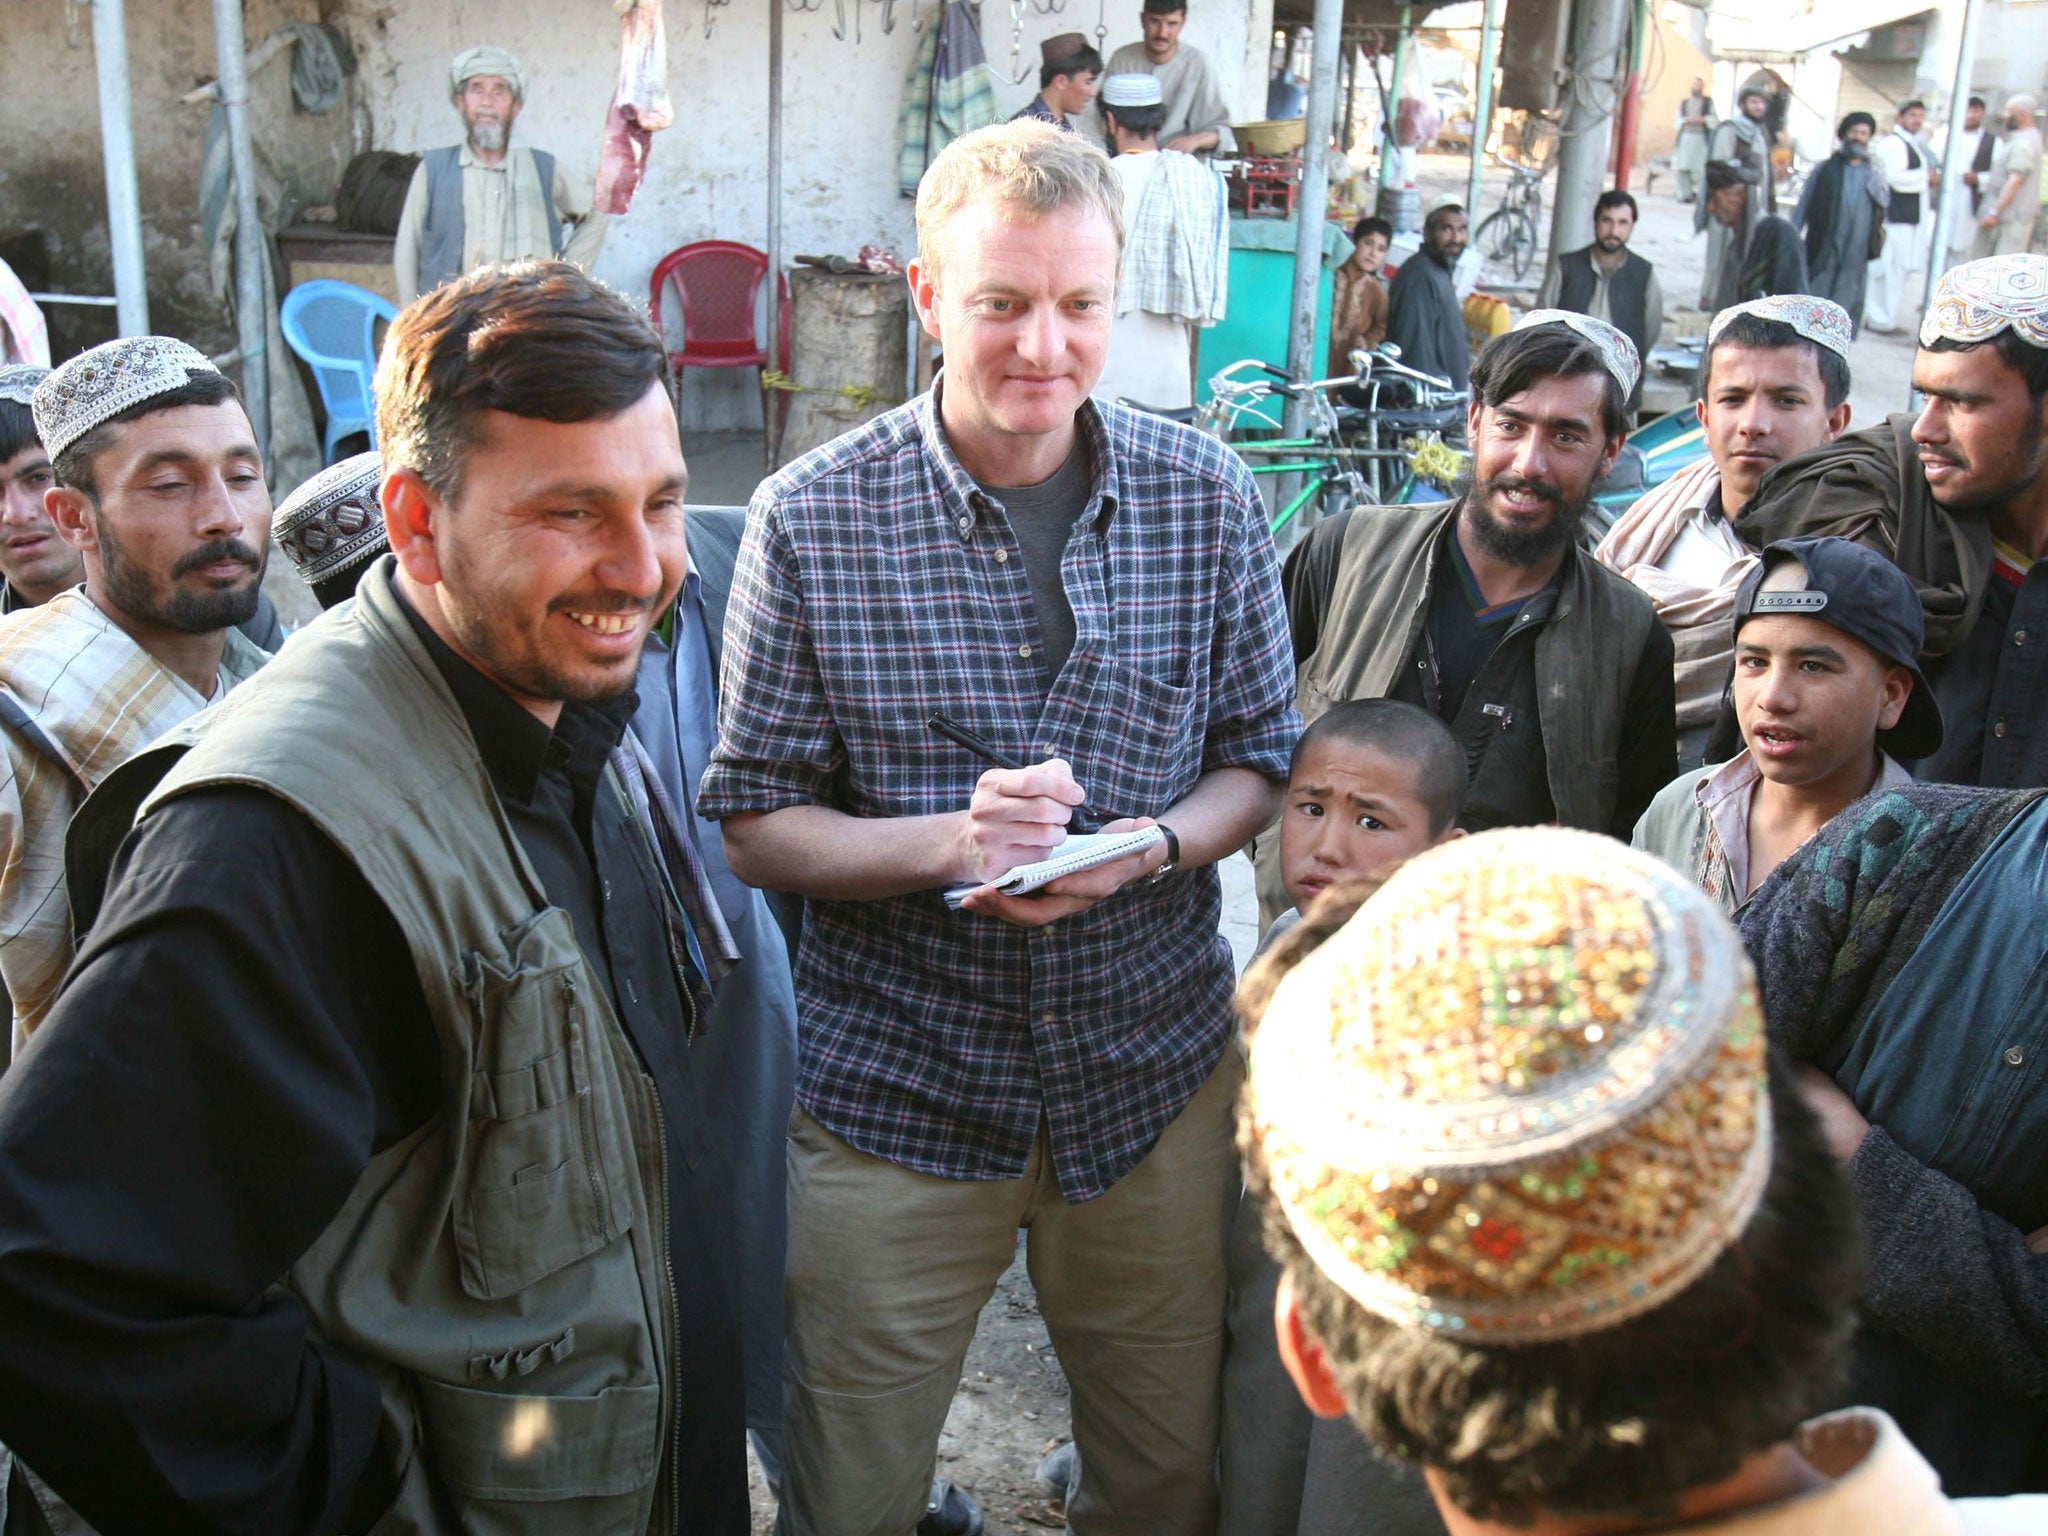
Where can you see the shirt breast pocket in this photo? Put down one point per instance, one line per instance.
(1136, 745)
(533, 1194)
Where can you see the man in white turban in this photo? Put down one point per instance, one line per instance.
(487, 200)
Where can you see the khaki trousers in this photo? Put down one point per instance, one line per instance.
(889, 1268)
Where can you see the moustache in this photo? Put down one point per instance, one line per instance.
(214, 553)
(1543, 490)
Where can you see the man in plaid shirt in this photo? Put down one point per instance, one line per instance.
(1092, 591)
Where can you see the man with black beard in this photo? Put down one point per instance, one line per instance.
(1424, 318)
(1552, 671)
(160, 488)
(1957, 496)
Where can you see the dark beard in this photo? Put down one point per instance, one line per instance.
(191, 613)
(1981, 504)
(1522, 548)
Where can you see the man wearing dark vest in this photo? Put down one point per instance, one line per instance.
(359, 1176)
(1551, 670)
(1609, 281)
(487, 200)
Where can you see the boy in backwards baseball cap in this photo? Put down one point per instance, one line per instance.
(1831, 703)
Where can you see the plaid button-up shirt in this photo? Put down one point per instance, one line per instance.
(877, 584)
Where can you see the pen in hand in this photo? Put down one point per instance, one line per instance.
(1084, 818)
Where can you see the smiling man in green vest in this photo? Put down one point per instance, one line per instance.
(359, 1176)
(487, 199)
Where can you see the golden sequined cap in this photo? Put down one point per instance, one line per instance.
(1521, 1094)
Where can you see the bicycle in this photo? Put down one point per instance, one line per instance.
(1415, 429)
(1508, 234)
(1332, 480)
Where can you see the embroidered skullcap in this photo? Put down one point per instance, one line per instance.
(18, 382)
(1821, 321)
(94, 387)
(487, 60)
(1521, 1094)
(1133, 90)
(2023, 102)
(1616, 350)
(1977, 300)
(334, 521)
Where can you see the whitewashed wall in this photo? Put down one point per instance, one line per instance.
(707, 176)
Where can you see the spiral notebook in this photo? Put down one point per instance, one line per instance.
(1079, 852)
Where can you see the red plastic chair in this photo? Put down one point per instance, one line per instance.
(718, 282)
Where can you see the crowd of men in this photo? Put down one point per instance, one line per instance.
(482, 1060)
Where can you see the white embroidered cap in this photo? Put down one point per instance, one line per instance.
(1132, 90)
(1977, 300)
(18, 382)
(1821, 321)
(1616, 350)
(94, 387)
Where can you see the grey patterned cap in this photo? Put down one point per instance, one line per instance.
(18, 382)
(1977, 300)
(1616, 350)
(96, 386)
(334, 520)
(1821, 321)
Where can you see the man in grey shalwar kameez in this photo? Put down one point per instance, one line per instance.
(1841, 208)
(1744, 142)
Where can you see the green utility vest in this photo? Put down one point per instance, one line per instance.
(503, 1270)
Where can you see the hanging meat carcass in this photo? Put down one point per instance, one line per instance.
(640, 106)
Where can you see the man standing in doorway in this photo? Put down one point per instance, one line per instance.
(1066, 80)
(2011, 198)
(487, 200)
(1176, 262)
(1695, 127)
(1092, 591)
(1424, 318)
(1743, 143)
(1609, 281)
(1196, 117)
(1910, 176)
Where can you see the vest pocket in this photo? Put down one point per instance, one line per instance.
(533, 1195)
(498, 1445)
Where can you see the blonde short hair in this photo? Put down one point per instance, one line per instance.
(1028, 167)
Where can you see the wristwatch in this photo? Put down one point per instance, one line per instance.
(1172, 856)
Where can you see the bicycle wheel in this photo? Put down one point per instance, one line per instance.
(1506, 237)
(1523, 244)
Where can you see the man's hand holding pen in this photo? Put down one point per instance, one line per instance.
(1018, 816)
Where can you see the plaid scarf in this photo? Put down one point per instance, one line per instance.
(98, 698)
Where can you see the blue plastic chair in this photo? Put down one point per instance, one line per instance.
(333, 326)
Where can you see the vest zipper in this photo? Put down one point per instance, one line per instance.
(590, 1161)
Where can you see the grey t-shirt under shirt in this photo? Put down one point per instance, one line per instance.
(1043, 517)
